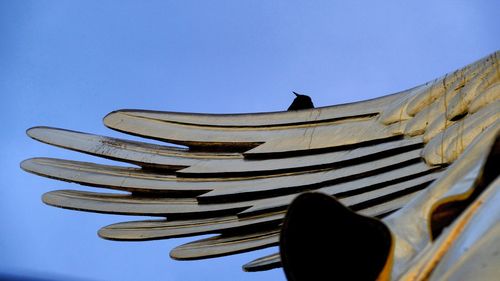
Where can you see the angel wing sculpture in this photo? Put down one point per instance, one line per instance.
(412, 175)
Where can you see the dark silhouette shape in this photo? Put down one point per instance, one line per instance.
(301, 102)
(321, 238)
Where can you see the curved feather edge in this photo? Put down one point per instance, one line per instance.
(454, 116)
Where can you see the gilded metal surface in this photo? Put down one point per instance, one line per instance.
(398, 157)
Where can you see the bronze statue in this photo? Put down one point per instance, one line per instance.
(402, 187)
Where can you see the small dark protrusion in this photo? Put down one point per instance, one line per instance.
(301, 102)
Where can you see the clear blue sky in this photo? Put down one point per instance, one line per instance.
(68, 63)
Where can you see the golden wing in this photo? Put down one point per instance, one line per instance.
(239, 172)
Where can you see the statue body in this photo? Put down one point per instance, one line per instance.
(410, 175)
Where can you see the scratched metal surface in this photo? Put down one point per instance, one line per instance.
(396, 157)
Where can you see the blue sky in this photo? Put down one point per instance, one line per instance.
(68, 63)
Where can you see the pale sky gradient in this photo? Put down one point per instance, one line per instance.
(68, 63)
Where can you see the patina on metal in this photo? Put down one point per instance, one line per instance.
(411, 177)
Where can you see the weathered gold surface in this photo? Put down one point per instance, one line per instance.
(477, 243)
(456, 184)
(398, 157)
